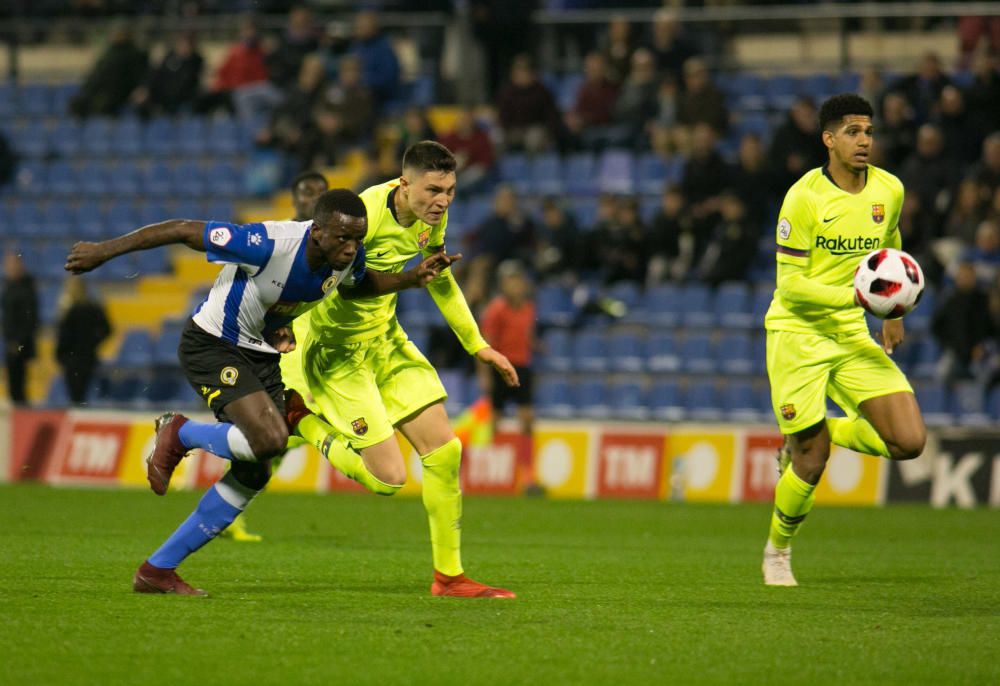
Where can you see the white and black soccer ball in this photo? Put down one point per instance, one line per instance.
(888, 283)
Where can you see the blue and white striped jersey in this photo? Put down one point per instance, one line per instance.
(265, 282)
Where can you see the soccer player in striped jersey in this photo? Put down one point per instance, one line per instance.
(229, 351)
(818, 343)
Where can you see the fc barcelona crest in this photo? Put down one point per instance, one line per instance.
(360, 426)
(878, 213)
(424, 238)
(788, 411)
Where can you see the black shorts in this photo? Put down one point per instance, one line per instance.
(503, 394)
(221, 372)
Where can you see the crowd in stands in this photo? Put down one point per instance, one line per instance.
(647, 96)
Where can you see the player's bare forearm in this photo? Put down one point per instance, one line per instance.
(501, 364)
(86, 256)
(382, 283)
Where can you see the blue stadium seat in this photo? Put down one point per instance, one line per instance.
(665, 402)
(515, 170)
(818, 86)
(920, 318)
(968, 404)
(626, 352)
(781, 91)
(223, 137)
(740, 401)
(628, 401)
(580, 174)
(158, 180)
(592, 399)
(190, 133)
(94, 178)
(758, 352)
(57, 396)
(584, 210)
(696, 354)
(27, 220)
(61, 179)
(8, 101)
(993, 403)
(58, 221)
(651, 174)
(616, 172)
(125, 388)
(35, 100)
(30, 180)
(926, 358)
(420, 336)
(554, 306)
(223, 178)
(125, 179)
(136, 348)
(732, 306)
(31, 140)
(413, 307)
(735, 354)
(65, 139)
(933, 400)
(590, 351)
(763, 294)
(126, 138)
(454, 382)
(120, 218)
(219, 210)
(97, 137)
(567, 90)
(165, 347)
(662, 354)
(703, 402)
(163, 387)
(89, 222)
(696, 306)
(662, 305)
(628, 293)
(553, 398)
(61, 95)
(158, 138)
(189, 180)
(146, 262)
(556, 352)
(547, 175)
(48, 302)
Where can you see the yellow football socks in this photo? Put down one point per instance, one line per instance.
(342, 456)
(857, 434)
(793, 499)
(443, 502)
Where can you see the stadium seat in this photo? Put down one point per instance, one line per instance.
(125, 388)
(927, 357)
(553, 398)
(703, 402)
(515, 170)
(223, 137)
(696, 354)
(125, 179)
(590, 352)
(580, 174)
(189, 180)
(65, 140)
(584, 210)
(919, 320)
(88, 222)
(628, 401)
(97, 136)
(968, 404)
(30, 180)
(163, 387)
(732, 306)
(27, 220)
(933, 400)
(93, 178)
(592, 399)
(665, 402)
(763, 294)
(126, 138)
(625, 352)
(554, 306)
(223, 178)
(547, 175)
(696, 308)
(661, 352)
(158, 138)
(651, 174)
(734, 354)
(34, 100)
(616, 172)
(190, 133)
(567, 90)
(740, 401)
(454, 382)
(158, 180)
(662, 305)
(136, 349)
(31, 140)
(556, 351)
(61, 179)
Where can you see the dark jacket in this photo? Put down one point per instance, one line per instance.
(20, 316)
(83, 327)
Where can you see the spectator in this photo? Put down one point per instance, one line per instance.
(509, 326)
(381, 165)
(961, 326)
(923, 89)
(301, 38)
(173, 84)
(929, 173)
(293, 116)
(473, 150)
(527, 110)
(83, 325)
(323, 140)
(617, 48)
(20, 324)
(241, 81)
(872, 88)
(414, 128)
(504, 28)
(972, 29)
(966, 213)
(352, 100)
(897, 136)
(987, 171)
(508, 233)
(918, 231)
(669, 239)
(753, 181)
(701, 101)
(669, 46)
(118, 71)
(557, 248)
(733, 245)
(982, 97)
(8, 161)
(985, 253)
(704, 175)
(594, 107)
(618, 247)
(961, 139)
(379, 64)
(797, 145)
(638, 102)
(665, 136)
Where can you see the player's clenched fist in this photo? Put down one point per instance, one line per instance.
(85, 256)
(282, 339)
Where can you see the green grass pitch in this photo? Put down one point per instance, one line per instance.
(610, 593)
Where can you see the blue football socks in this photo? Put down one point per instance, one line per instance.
(212, 437)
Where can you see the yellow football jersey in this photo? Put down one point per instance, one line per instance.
(827, 230)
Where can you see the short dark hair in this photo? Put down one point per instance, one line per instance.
(428, 156)
(308, 176)
(339, 200)
(839, 106)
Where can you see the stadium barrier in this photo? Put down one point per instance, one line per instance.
(712, 463)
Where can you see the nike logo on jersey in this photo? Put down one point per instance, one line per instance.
(382, 254)
(830, 219)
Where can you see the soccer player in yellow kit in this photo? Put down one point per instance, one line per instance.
(355, 366)
(818, 342)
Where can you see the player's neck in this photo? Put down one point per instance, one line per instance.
(846, 178)
(404, 215)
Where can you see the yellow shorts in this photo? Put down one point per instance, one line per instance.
(806, 368)
(363, 389)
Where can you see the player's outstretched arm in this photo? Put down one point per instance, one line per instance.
(795, 286)
(86, 256)
(381, 283)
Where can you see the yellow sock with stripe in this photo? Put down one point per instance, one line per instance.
(342, 456)
(857, 434)
(793, 499)
(443, 501)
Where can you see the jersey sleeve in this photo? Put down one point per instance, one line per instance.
(893, 238)
(242, 244)
(356, 272)
(435, 242)
(795, 228)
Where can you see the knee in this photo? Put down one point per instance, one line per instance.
(253, 475)
(390, 478)
(810, 463)
(908, 447)
(269, 441)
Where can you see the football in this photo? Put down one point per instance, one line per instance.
(888, 283)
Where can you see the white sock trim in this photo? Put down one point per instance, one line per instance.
(233, 492)
(239, 446)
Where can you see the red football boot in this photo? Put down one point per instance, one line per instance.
(150, 579)
(295, 409)
(462, 586)
(167, 452)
